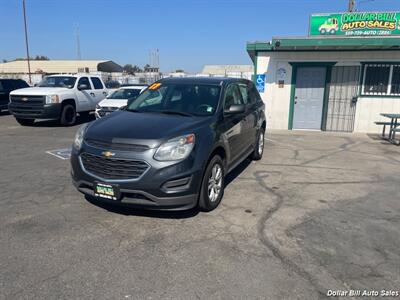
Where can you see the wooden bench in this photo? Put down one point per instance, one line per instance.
(384, 126)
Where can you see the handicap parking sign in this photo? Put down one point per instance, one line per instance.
(260, 82)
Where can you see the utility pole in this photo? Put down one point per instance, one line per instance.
(352, 4)
(78, 43)
(26, 43)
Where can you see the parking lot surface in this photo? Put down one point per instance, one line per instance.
(319, 212)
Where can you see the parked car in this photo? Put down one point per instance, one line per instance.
(117, 99)
(6, 86)
(57, 97)
(173, 152)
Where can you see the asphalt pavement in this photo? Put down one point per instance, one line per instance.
(319, 212)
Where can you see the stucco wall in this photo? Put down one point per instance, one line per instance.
(278, 99)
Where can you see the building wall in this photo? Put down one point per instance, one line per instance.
(278, 99)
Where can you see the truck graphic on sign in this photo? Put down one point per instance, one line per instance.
(330, 26)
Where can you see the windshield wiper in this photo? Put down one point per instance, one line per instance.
(172, 112)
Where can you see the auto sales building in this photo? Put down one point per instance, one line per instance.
(340, 77)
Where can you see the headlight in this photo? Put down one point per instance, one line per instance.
(175, 149)
(52, 99)
(79, 137)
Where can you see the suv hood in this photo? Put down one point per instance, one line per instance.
(39, 91)
(145, 128)
(109, 102)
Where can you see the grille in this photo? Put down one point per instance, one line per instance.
(116, 146)
(106, 110)
(113, 168)
(34, 105)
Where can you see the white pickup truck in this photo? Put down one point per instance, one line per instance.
(58, 97)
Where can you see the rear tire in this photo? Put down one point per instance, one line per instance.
(212, 187)
(25, 122)
(68, 115)
(259, 147)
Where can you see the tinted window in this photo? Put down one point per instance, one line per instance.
(97, 83)
(21, 84)
(254, 94)
(58, 81)
(84, 80)
(232, 96)
(244, 90)
(194, 99)
(8, 85)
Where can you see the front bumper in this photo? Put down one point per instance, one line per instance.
(28, 111)
(141, 199)
(162, 186)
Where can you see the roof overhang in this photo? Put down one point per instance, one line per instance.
(324, 44)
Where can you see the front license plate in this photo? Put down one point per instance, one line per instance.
(107, 191)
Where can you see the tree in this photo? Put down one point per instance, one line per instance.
(41, 57)
(4, 60)
(180, 71)
(128, 68)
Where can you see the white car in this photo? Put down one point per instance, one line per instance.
(118, 99)
(57, 97)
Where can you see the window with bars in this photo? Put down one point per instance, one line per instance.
(381, 79)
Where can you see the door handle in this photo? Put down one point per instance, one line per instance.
(92, 94)
(104, 93)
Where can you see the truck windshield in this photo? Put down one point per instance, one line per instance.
(58, 81)
(184, 99)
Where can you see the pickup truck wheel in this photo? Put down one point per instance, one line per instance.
(212, 187)
(259, 147)
(25, 122)
(68, 115)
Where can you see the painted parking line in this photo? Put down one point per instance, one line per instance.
(61, 153)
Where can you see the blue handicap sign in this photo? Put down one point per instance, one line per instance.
(260, 82)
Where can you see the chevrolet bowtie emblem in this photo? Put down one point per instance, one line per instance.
(108, 153)
(24, 99)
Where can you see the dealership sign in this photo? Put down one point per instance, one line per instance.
(355, 24)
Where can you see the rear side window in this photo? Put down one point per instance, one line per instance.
(254, 95)
(97, 83)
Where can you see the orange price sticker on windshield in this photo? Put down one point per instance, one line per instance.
(154, 86)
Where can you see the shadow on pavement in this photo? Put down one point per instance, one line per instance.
(55, 123)
(133, 211)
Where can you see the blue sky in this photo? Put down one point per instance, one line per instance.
(188, 33)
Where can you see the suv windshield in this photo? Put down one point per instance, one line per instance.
(185, 99)
(58, 81)
(125, 94)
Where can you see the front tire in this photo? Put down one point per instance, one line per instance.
(25, 122)
(212, 187)
(68, 115)
(259, 148)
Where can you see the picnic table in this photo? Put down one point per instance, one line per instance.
(393, 125)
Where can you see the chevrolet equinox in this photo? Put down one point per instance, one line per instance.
(171, 147)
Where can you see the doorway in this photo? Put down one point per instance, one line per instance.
(342, 100)
(309, 97)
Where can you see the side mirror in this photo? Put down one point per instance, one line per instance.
(130, 100)
(82, 87)
(235, 109)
